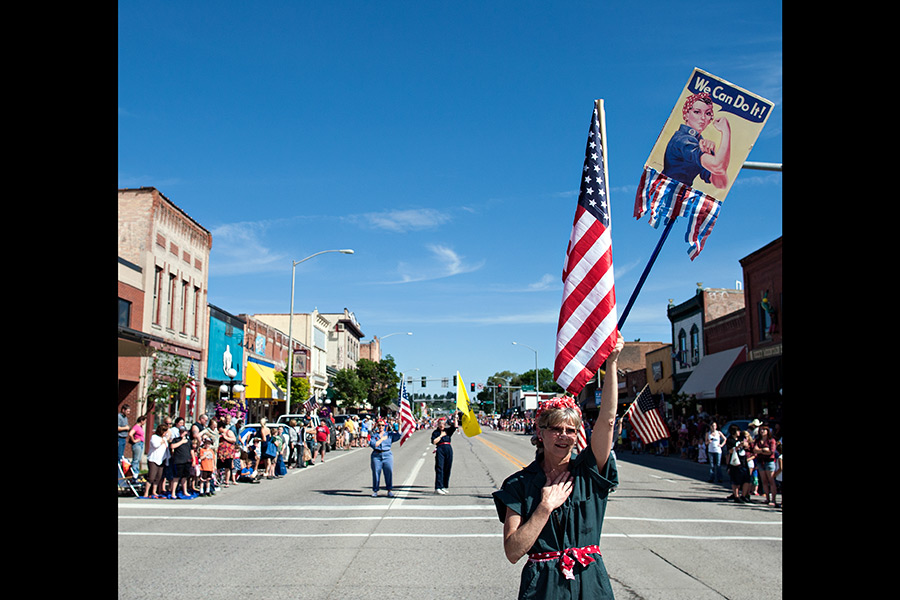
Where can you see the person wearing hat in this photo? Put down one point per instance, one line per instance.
(382, 459)
(443, 453)
(752, 428)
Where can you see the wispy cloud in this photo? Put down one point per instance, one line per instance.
(550, 316)
(546, 283)
(238, 250)
(444, 262)
(413, 219)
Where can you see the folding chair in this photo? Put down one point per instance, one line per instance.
(126, 480)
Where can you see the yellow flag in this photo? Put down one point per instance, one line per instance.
(470, 424)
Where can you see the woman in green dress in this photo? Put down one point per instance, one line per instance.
(552, 510)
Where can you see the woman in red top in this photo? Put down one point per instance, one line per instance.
(764, 448)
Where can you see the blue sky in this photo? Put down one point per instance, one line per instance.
(443, 143)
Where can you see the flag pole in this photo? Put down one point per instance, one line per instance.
(640, 283)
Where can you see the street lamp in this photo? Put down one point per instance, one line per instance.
(396, 333)
(290, 369)
(537, 385)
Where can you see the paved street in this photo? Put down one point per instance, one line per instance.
(317, 533)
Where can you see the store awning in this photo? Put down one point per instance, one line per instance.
(753, 378)
(705, 378)
(261, 382)
(136, 343)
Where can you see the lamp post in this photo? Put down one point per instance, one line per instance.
(537, 385)
(290, 369)
(389, 335)
(231, 387)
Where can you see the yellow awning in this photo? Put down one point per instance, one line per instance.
(261, 383)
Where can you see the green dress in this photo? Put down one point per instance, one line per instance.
(575, 524)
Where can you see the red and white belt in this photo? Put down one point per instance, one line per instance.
(567, 558)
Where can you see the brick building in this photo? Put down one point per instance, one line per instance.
(163, 268)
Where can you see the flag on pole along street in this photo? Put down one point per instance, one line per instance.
(192, 389)
(645, 418)
(698, 155)
(587, 332)
(407, 424)
(311, 405)
(470, 424)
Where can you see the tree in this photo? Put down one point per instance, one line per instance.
(299, 390)
(546, 380)
(381, 380)
(167, 378)
(347, 389)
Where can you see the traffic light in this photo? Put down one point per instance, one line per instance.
(472, 386)
(499, 387)
(423, 381)
(454, 381)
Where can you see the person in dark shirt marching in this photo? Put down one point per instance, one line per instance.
(443, 453)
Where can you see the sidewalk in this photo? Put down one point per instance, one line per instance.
(684, 468)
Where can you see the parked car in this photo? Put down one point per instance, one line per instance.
(339, 420)
(285, 419)
(251, 430)
(741, 424)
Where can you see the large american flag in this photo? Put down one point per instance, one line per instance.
(407, 424)
(587, 331)
(645, 418)
(311, 405)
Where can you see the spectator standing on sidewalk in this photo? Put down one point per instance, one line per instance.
(715, 441)
(443, 453)
(157, 453)
(136, 439)
(123, 429)
(777, 476)
(180, 447)
(225, 454)
(764, 447)
(737, 446)
(207, 459)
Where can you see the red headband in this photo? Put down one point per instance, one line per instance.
(558, 403)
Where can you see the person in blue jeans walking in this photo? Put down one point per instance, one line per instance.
(443, 453)
(382, 459)
(715, 441)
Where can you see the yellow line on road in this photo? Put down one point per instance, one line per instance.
(502, 453)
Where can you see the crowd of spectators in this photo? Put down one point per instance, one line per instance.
(750, 456)
(184, 462)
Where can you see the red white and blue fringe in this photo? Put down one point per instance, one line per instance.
(666, 199)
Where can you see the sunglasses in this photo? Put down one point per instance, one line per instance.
(562, 430)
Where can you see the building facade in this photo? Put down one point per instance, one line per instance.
(754, 388)
(310, 336)
(163, 282)
(344, 335)
(266, 351)
(225, 351)
(689, 321)
(727, 358)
